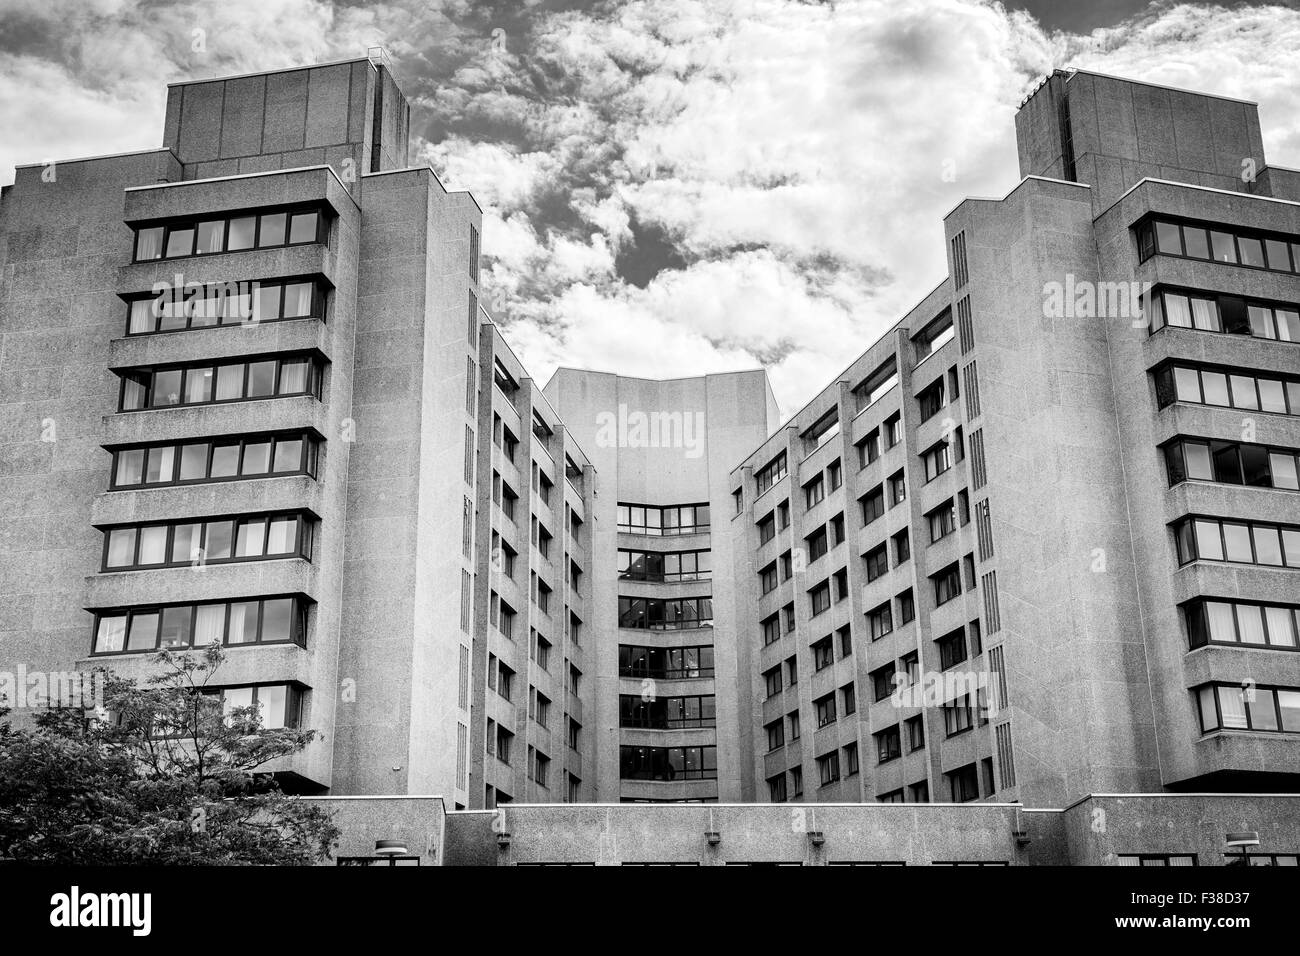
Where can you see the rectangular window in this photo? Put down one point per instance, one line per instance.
(1212, 539)
(217, 459)
(668, 763)
(235, 381)
(210, 541)
(889, 744)
(1249, 707)
(227, 304)
(770, 473)
(659, 614)
(947, 584)
(236, 233)
(658, 521)
(272, 620)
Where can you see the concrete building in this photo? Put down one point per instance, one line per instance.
(667, 725)
(1038, 542)
(1041, 540)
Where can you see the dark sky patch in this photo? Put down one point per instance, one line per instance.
(650, 252)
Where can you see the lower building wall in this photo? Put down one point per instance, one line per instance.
(1095, 831)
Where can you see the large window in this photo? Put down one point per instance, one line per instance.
(1210, 312)
(272, 620)
(934, 337)
(889, 744)
(666, 713)
(654, 520)
(215, 459)
(665, 615)
(207, 541)
(875, 385)
(947, 584)
(1233, 463)
(1239, 622)
(770, 473)
(1226, 244)
(227, 381)
(1213, 539)
(230, 233)
(664, 565)
(668, 763)
(665, 663)
(1227, 388)
(1237, 707)
(942, 521)
(226, 304)
(277, 705)
(930, 399)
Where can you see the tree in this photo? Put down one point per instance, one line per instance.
(162, 775)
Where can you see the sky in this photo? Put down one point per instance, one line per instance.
(671, 187)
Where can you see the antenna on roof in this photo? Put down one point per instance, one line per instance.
(379, 57)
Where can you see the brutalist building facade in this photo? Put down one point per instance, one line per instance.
(1039, 541)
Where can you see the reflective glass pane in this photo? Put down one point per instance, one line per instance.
(230, 382)
(1283, 470)
(266, 303)
(1289, 704)
(1281, 624)
(1209, 546)
(1197, 243)
(194, 461)
(293, 377)
(209, 624)
(297, 300)
(288, 454)
(142, 316)
(160, 464)
(198, 386)
(261, 379)
(225, 460)
(1236, 542)
(243, 622)
(186, 539)
(257, 458)
(175, 631)
(271, 705)
(277, 617)
(1268, 547)
(304, 227)
(111, 634)
(273, 226)
(1252, 251)
(1187, 385)
(282, 536)
(121, 548)
(180, 242)
(217, 538)
(148, 243)
(1232, 704)
(250, 538)
(242, 231)
(143, 635)
(1167, 238)
(1215, 385)
(1263, 709)
(1221, 243)
(166, 388)
(1243, 392)
(130, 468)
(1222, 622)
(212, 236)
(153, 544)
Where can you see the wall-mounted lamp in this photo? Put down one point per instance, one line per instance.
(391, 848)
(713, 836)
(816, 837)
(1245, 839)
(503, 839)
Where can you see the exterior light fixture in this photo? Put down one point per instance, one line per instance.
(1244, 839)
(503, 839)
(391, 848)
(816, 837)
(713, 836)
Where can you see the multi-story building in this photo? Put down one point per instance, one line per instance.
(1038, 541)
(667, 725)
(1041, 540)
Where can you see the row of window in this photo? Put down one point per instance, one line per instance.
(1227, 389)
(1213, 539)
(881, 620)
(231, 303)
(1232, 314)
(276, 620)
(665, 615)
(208, 541)
(656, 520)
(667, 713)
(771, 473)
(1233, 463)
(664, 566)
(1227, 244)
(828, 765)
(206, 237)
(216, 459)
(668, 763)
(232, 381)
(1240, 622)
(665, 663)
(1237, 707)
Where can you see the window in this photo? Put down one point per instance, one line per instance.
(919, 792)
(823, 654)
(540, 705)
(792, 671)
(667, 713)
(231, 303)
(880, 621)
(1234, 622)
(934, 337)
(988, 784)
(1233, 463)
(958, 715)
(272, 377)
(207, 541)
(876, 385)
(834, 474)
(897, 489)
(1248, 707)
(869, 448)
(930, 399)
(504, 739)
(673, 614)
(825, 710)
(902, 547)
(275, 620)
(664, 566)
(277, 706)
(767, 579)
(1227, 388)
(787, 613)
(915, 733)
(947, 584)
(873, 505)
(846, 640)
(268, 229)
(783, 515)
(1156, 859)
(667, 520)
(837, 529)
(851, 760)
(1213, 539)
(796, 782)
(770, 473)
(817, 544)
(814, 492)
(738, 499)
(1222, 244)
(883, 681)
(776, 792)
(772, 681)
(828, 767)
(937, 459)
(964, 784)
(877, 562)
(848, 700)
(888, 744)
(893, 430)
(906, 607)
(952, 649)
(666, 663)
(766, 529)
(775, 735)
(668, 763)
(892, 796)
(215, 459)
(820, 598)
(792, 719)
(942, 521)
(771, 630)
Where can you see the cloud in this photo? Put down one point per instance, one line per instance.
(791, 161)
